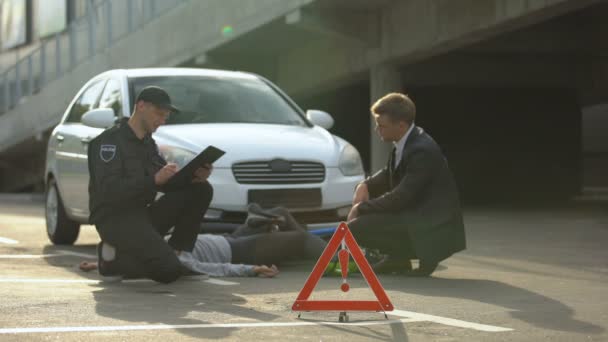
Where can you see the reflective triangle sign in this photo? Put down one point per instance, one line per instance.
(344, 237)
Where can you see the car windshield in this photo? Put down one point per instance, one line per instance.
(207, 99)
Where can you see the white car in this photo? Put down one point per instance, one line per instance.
(276, 154)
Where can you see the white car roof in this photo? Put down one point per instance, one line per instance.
(142, 72)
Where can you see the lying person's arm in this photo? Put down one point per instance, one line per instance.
(212, 269)
(226, 269)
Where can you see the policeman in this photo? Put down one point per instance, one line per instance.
(126, 171)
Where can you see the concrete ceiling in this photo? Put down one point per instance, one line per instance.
(579, 34)
(352, 4)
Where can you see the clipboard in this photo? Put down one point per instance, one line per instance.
(184, 176)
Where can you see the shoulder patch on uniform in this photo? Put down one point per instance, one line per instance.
(107, 152)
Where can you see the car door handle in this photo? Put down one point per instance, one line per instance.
(60, 138)
(86, 140)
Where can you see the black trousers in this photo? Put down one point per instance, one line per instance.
(138, 235)
(276, 247)
(390, 233)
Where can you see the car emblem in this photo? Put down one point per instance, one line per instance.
(280, 165)
(107, 152)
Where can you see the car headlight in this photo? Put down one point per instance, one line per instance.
(350, 161)
(177, 155)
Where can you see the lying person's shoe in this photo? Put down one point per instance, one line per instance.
(329, 270)
(255, 210)
(261, 221)
(335, 270)
(106, 263)
(373, 257)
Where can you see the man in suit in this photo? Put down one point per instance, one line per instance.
(410, 209)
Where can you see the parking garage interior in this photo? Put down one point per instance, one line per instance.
(507, 112)
(519, 115)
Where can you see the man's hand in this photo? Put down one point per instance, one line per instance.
(354, 212)
(265, 271)
(361, 194)
(163, 175)
(202, 173)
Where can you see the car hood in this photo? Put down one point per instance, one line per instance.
(248, 142)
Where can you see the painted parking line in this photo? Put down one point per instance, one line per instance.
(197, 326)
(41, 256)
(220, 282)
(28, 256)
(412, 317)
(128, 281)
(448, 321)
(50, 280)
(8, 241)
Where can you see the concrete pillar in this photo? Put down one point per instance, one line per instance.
(384, 79)
(593, 97)
(593, 83)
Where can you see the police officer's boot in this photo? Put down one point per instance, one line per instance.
(106, 260)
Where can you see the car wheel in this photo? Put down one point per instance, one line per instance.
(59, 227)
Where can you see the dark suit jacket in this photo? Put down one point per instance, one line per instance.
(423, 193)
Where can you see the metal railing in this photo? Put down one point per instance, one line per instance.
(103, 24)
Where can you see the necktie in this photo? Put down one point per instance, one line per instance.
(393, 158)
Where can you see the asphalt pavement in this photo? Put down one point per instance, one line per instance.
(527, 275)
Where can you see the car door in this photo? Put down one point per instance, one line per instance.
(71, 152)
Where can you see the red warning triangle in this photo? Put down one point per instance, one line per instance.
(342, 234)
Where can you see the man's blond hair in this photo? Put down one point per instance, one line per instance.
(397, 106)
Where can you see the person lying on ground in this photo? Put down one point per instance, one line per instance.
(252, 246)
(249, 249)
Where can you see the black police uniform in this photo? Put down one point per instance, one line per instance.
(122, 196)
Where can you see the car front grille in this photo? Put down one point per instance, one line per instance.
(279, 171)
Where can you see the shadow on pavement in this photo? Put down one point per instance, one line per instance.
(70, 262)
(528, 306)
(174, 304)
(398, 332)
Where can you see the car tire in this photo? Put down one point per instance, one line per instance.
(60, 229)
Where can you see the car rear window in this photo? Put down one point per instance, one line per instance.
(204, 99)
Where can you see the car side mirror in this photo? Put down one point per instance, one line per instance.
(99, 118)
(320, 118)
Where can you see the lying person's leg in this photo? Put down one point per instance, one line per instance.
(313, 246)
(274, 248)
(261, 221)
